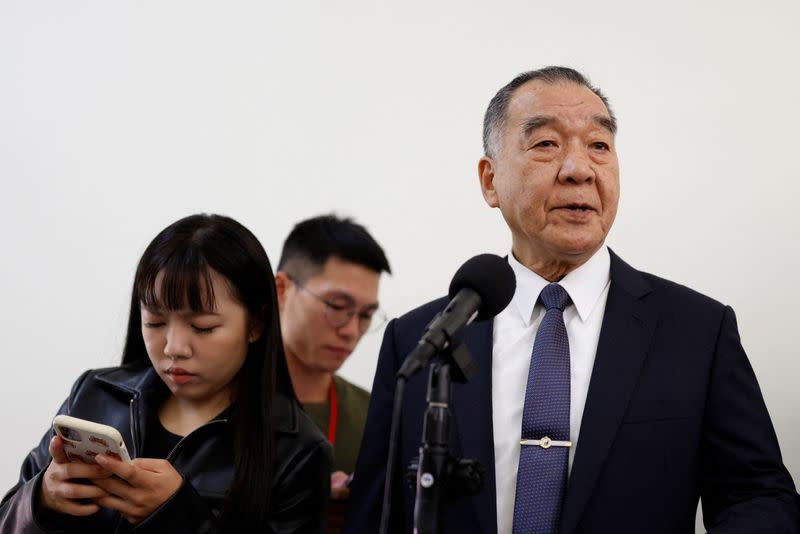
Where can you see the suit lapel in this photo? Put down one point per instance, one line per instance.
(472, 415)
(627, 330)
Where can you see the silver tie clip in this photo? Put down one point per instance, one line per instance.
(545, 442)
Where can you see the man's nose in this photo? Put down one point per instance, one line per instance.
(577, 166)
(178, 343)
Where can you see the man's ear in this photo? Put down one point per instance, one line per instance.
(486, 178)
(282, 285)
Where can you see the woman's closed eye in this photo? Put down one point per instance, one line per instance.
(203, 329)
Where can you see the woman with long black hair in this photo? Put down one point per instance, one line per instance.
(203, 400)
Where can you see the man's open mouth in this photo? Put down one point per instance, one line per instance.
(578, 207)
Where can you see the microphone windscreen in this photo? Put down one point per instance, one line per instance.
(491, 277)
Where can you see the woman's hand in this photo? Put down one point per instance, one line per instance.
(138, 488)
(65, 488)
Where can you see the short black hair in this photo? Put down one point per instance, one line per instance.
(312, 241)
(495, 118)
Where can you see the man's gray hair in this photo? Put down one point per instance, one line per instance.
(494, 121)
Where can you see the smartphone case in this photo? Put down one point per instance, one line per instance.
(83, 440)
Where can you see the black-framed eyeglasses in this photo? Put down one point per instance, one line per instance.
(340, 310)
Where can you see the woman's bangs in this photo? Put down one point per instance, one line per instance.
(177, 284)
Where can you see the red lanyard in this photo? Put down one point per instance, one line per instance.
(332, 416)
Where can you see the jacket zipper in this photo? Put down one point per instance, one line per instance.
(134, 427)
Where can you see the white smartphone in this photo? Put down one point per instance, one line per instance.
(83, 440)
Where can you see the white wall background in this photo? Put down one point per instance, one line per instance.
(117, 118)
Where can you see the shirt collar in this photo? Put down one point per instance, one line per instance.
(584, 285)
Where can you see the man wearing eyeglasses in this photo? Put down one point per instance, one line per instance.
(327, 284)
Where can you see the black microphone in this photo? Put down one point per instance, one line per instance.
(480, 289)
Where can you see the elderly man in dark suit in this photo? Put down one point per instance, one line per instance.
(605, 399)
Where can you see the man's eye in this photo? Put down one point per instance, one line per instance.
(600, 146)
(338, 306)
(545, 144)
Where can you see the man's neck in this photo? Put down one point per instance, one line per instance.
(309, 386)
(550, 267)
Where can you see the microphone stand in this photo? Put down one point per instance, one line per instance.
(434, 455)
(439, 474)
(480, 289)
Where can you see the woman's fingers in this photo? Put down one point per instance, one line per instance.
(78, 509)
(81, 470)
(75, 491)
(57, 450)
(138, 488)
(63, 489)
(115, 485)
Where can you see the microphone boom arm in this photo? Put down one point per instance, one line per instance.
(442, 330)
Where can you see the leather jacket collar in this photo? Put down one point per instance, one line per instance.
(142, 382)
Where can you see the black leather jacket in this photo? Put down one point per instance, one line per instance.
(123, 397)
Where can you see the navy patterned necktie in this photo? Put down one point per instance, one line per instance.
(544, 449)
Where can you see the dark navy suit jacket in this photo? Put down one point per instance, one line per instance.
(673, 413)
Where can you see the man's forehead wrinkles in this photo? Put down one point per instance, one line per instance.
(530, 124)
(568, 104)
(543, 95)
(535, 104)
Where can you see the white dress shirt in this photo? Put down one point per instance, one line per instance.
(514, 331)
